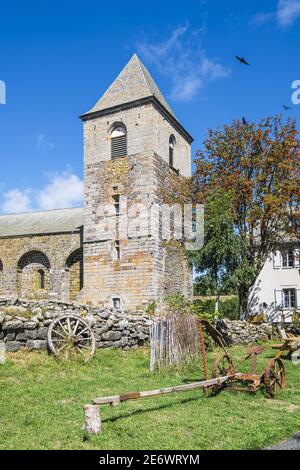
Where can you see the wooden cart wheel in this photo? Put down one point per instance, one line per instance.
(70, 336)
(274, 377)
(223, 366)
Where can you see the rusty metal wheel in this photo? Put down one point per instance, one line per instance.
(223, 366)
(70, 336)
(274, 377)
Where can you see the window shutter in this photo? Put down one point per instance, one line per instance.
(119, 146)
(277, 259)
(298, 299)
(279, 299)
(297, 258)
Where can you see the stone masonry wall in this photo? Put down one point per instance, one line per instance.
(128, 277)
(24, 324)
(175, 274)
(138, 276)
(23, 258)
(241, 332)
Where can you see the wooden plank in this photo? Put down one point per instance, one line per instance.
(116, 399)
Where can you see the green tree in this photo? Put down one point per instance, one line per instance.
(259, 165)
(218, 260)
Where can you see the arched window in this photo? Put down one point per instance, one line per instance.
(41, 279)
(172, 145)
(118, 141)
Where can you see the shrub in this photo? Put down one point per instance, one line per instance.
(150, 309)
(229, 308)
(178, 303)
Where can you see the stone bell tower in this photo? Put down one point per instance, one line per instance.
(135, 150)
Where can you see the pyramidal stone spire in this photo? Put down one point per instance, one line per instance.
(133, 83)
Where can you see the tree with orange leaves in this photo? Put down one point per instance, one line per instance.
(258, 164)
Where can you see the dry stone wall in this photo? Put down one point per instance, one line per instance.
(242, 332)
(24, 324)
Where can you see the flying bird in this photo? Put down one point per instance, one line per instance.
(242, 60)
(287, 108)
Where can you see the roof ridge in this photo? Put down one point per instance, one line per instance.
(143, 72)
(40, 211)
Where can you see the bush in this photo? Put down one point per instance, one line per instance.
(178, 303)
(228, 308)
(150, 309)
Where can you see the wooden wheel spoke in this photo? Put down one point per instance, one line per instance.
(75, 328)
(63, 328)
(82, 331)
(63, 347)
(69, 326)
(83, 347)
(59, 334)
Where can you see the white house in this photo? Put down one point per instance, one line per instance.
(276, 292)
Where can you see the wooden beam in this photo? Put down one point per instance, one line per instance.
(117, 399)
(92, 418)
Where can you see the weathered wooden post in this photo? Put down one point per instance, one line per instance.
(92, 419)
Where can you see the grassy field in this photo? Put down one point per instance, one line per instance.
(41, 406)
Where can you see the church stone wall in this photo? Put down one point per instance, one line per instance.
(23, 258)
(147, 131)
(108, 262)
(143, 273)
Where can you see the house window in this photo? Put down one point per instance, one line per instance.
(116, 303)
(288, 259)
(289, 298)
(41, 279)
(118, 142)
(172, 144)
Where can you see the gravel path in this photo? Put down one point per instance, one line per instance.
(290, 444)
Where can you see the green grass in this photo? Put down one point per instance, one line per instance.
(42, 401)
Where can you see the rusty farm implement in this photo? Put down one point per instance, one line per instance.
(225, 374)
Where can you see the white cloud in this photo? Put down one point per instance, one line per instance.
(288, 11)
(65, 190)
(43, 144)
(262, 18)
(183, 59)
(62, 191)
(16, 201)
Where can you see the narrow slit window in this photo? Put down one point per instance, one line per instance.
(41, 279)
(118, 250)
(117, 204)
(172, 143)
(118, 142)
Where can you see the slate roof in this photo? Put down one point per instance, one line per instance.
(38, 223)
(133, 83)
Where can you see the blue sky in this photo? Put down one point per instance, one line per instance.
(57, 59)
